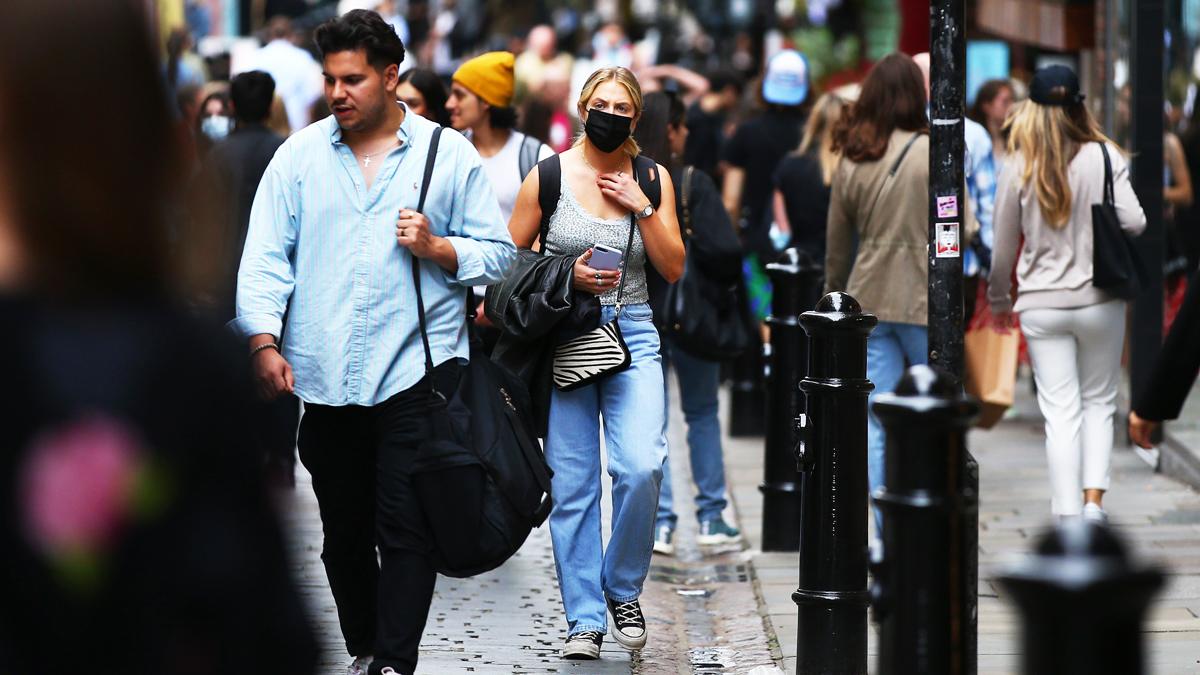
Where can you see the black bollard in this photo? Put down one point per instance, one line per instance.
(919, 595)
(1082, 603)
(832, 597)
(795, 280)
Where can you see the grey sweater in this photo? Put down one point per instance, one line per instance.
(1054, 267)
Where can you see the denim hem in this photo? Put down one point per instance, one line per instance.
(671, 521)
(631, 598)
(583, 628)
(705, 516)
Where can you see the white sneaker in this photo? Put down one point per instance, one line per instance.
(1094, 513)
(583, 646)
(359, 665)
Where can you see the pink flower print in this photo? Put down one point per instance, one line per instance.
(78, 485)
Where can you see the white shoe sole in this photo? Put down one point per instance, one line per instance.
(717, 539)
(665, 549)
(581, 651)
(628, 642)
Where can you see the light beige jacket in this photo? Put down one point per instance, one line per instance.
(886, 203)
(1054, 266)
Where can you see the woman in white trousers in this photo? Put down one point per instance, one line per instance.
(1045, 193)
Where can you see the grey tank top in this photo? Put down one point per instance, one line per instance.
(573, 231)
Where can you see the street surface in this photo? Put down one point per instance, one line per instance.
(706, 613)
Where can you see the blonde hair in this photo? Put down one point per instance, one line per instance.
(1047, 137)
(818, 132)
(625, 78)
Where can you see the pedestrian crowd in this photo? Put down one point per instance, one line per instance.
(369, 230)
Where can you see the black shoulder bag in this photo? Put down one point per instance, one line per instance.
(1116, 266)
(480, 476)
(703, 317)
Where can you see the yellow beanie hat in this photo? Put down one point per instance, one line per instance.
(490, 77)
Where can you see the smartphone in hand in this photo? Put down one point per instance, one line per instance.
(605, 257)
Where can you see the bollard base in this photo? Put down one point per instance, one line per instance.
(781, 516)
(831, 632)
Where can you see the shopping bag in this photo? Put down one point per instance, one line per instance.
(991, 360)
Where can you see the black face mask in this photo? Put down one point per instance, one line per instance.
(607, 131)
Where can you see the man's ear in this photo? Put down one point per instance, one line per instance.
(391, 76)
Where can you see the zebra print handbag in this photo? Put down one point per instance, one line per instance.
(598, 353)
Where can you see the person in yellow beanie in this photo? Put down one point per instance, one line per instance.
(480, 106)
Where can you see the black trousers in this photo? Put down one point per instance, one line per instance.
(361, 462)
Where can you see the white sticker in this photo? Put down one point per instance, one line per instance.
(947, 240)
(947, 207)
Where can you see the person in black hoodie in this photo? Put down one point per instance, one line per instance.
(138, 537)
(662, 134)
(1174, 374)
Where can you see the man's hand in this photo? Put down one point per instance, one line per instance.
(412, 232)
(1142, 430)
(272, 374)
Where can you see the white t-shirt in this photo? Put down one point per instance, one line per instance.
(504, 171)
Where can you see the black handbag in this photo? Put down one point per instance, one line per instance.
(702, 316)
(481, 478)
(1116, 267)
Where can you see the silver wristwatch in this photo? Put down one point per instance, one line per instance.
(646, 212)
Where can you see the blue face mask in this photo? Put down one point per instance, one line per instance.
(216, 127)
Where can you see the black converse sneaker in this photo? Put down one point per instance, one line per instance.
(629, 626)
(583, 646)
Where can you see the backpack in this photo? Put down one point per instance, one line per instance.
(480, 477)
(530, 149)
(550, 185)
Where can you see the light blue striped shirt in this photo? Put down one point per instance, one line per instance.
(323, 247)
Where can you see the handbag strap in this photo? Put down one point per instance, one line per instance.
(891, 174)
(686, 195)
(628, 245)
(416, 262)
(1109, 200)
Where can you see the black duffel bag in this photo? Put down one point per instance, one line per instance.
(481, 477)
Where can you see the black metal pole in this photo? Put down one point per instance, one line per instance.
(832, 454)
(920, 577)
(1082, 603)
(947, 215)
(1145, 338)
(795, 280)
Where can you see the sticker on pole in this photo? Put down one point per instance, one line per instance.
(947, 240)
(947, 206)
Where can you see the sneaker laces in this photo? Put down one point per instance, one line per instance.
(628, 614)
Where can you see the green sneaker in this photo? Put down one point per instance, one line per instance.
(717, 531)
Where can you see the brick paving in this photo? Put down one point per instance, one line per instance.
(731, 611)
(701, 606)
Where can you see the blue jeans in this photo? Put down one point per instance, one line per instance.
(889, 348)
(631, 403)
(698, 383)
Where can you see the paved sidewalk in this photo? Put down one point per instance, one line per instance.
(1159, 517)
(701, 606)
(707, 613)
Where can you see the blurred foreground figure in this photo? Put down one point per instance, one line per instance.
(136, 534)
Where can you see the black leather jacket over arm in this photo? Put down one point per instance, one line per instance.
(535, 308)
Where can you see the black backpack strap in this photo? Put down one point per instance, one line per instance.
(528, 157)
(549, 185)
(685, 201)
(647, 178)
(416, 262)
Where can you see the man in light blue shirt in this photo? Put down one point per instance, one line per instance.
(332, 238)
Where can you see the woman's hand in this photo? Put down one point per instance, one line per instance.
(1002, 322)
(594, 281)
(623, 189)
(1141, 431)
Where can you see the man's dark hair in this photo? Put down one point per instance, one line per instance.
(502, 118)
(718, 80)
(361, 29)
(251, 94)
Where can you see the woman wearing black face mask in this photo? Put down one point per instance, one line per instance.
(600, 202)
